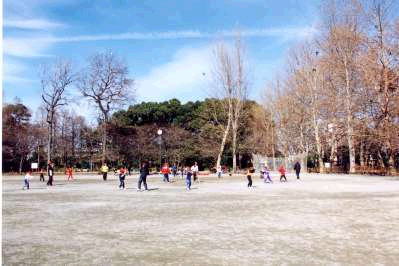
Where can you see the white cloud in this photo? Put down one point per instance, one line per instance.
(25, 47)
(31, 24)
(14, 71)
(182, 77)
(288, 32)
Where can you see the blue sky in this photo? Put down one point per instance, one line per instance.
(166, 44)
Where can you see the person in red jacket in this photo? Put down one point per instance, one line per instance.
(165, 171)
(69, 172)
(282, 174)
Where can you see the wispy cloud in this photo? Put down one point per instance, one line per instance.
(292, 32)
(25, 47)
(13, 71)
(175, 78)
(31, 24)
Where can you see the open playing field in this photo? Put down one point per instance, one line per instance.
(322, 219)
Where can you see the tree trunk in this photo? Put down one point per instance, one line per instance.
(234, 145)
(349, 122)
(50, 141)
(21, 163)
(225, 134)
(104, 140)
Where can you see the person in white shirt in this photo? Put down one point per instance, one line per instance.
(219, 171)
(194, 171)
(28, 176)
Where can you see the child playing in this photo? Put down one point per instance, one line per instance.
(28, 176)
(250, 171)
(69, 172)
(41, 175)
(219, 171)
(165, 171)
(188, 179)
(282, 174)
(266, 175)
(122, 175)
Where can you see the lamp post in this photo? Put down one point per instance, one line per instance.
(159, 132)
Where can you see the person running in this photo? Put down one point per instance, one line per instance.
(266, 175)
(297, 168)
(41, 175)
(250, 171)
(104, 170)
(28, 176)
(69, 172)
(122, 176)
(144, 172)
(50, 173)
(188, 179)
(194, 171)
(165, 171)
(219, 171)
(282, 174)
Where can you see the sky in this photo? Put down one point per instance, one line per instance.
(167, 44)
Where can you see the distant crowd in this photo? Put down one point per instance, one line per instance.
(187, 172)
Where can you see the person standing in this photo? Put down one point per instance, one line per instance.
(188, 179)
(297, 168)
(122, 176)
(282, 174)
(219, 171)
(250, 171)
(165, 171)
(50, 172)
(174, 170)
(41, 175)
(194, 171)
(69, 172)
(28, 176)
(144, 172)
(104, 171)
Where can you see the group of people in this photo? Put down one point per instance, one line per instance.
(165, 171)
(265, 174)
(184, 171)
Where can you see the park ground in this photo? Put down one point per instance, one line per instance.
(320, 220)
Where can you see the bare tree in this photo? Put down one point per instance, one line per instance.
(343, 44)
(105, 82)
(231, 87)
(55, 79)
(223, 84)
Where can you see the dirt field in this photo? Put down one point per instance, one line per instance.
(327, 219)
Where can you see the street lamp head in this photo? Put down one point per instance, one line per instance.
(159, 132)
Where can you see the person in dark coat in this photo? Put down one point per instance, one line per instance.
(50, 172)
(144, 172)
(297, 168)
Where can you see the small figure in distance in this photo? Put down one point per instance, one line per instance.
(165, 171)
(282, 173)
(266, 175)
(144, 172)
(250, 171)
(219, 171)
(122, 176)
(27, 177)
(69, 172)
(188, 178)
(297, 168)
(104, 170)
(41, 175)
